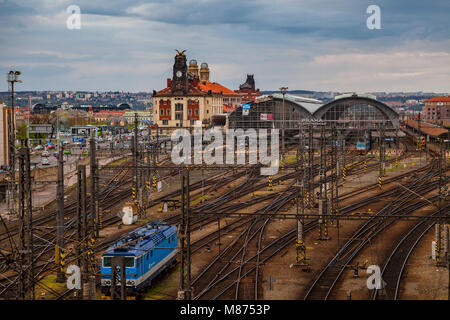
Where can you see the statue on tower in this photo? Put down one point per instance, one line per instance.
(180, 53)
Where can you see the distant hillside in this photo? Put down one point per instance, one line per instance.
(290, 91)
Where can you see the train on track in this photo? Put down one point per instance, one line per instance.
(419, 141)
(148, 251)
(362, 147)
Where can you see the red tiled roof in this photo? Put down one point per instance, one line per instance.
(438, 99)
(216, 88)
(200, 90)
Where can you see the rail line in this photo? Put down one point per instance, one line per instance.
(322, 287)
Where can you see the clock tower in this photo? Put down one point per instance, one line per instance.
(180, 78)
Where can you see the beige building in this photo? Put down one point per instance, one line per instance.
(189, 96)
(4, 151)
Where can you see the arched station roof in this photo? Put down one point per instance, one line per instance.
(306, 106)
(340, 103)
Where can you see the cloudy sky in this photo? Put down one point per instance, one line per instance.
(303, 44)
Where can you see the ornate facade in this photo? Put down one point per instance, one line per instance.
(189, 96)
(247, 90)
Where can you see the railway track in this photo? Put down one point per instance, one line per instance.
(218, 203)
(325, 282)
(395, 264)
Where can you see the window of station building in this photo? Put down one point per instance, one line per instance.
(179, 107)
(168, 112)
(196, 112)
(165, 122)
(190, 112)
(162, 112)
(178, 116)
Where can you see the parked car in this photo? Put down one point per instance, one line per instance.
(39, 147)
(45, 162)
(45, 154)
(67, 151)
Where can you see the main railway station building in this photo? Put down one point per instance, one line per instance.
(349, 111)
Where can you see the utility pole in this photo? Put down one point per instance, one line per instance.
(441, 194)
(342, 157)
(135, 160)
(301, 181)
(323, 201)
(60, 230)
(283, 133)
(93, 174)
(80, 248)
(185, 290)
(381, 154)
(89, 291)
(143, 180)
(26, 277)
(148, 174)
(118, 262)
(12, 77)
(310, 195)
(335, 181)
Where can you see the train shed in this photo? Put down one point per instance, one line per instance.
(432, 131)
(267, 112)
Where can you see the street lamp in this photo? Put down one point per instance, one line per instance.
(283, 92)
(12, 77)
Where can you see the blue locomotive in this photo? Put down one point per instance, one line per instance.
(363, 146)
(148, 250)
